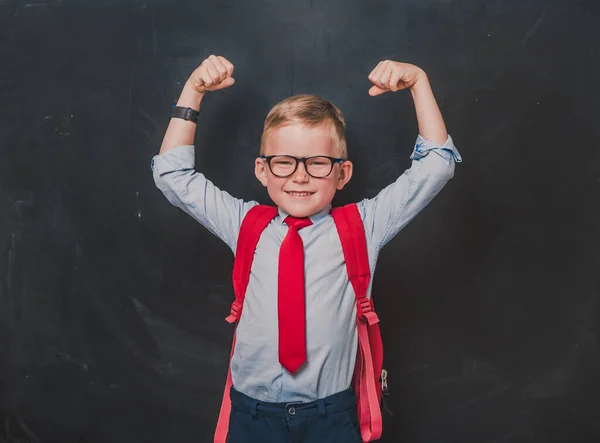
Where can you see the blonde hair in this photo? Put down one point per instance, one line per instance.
(311, 110)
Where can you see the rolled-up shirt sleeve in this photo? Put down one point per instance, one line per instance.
(396, 205)
(175, 175)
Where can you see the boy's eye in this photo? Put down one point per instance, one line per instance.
(319, 162)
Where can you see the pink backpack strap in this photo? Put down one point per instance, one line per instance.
(370, 355)
(254, 223)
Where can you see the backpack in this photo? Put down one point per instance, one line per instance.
(366, 381)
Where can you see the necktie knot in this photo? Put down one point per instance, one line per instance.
(297, 222)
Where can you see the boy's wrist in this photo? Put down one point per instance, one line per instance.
(422, 83)
(190, 97)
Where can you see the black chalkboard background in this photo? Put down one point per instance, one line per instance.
(112, 301)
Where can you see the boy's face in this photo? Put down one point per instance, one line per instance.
(301, 195)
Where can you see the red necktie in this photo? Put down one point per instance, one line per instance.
(290, 302)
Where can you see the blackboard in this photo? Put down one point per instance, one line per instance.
(112, 301)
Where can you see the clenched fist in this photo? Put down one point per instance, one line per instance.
(213, 74)
(394, 76)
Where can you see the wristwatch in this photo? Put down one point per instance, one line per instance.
(188, 114)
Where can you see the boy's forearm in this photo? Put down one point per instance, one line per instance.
(182, 132)
(429, 116)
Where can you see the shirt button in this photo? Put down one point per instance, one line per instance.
(292, 411)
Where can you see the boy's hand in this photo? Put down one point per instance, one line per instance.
(213, 74)
(394, 76)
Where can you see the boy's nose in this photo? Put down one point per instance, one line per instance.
(300, 175)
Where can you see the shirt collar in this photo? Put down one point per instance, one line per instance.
(313, 218)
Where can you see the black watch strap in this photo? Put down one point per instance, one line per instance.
(185, 113)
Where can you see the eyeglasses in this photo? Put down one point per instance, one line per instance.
(318, 166)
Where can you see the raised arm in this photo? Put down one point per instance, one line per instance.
(213, 74)
(395, 76)
(174, 167)
(433, 158)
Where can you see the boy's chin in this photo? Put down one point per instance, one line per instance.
(297, 212)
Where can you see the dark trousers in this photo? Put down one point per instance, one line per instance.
(330, 420)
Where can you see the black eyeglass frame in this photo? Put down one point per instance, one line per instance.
(333, 160)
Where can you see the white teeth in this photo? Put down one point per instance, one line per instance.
(299, 194)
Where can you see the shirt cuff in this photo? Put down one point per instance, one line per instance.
(176, 159)
(447, 150)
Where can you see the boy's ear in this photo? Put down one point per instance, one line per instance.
(260, 170)
(345, 175)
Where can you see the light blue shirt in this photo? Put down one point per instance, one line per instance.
(331, 337)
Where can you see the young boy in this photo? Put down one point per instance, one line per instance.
(299, 391)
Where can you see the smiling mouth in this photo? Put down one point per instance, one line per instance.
(299, 194)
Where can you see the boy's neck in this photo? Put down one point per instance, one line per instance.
(313, 217)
